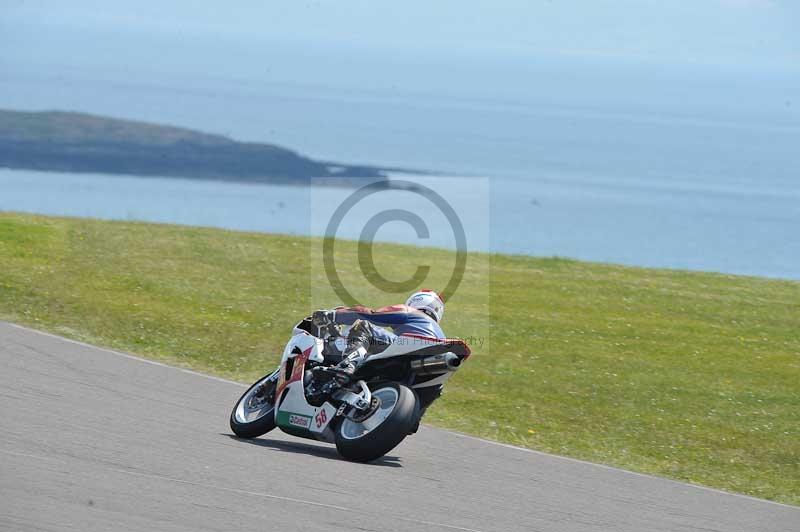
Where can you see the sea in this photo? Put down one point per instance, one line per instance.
(714, 189)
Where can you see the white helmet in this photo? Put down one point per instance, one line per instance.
(428, 302)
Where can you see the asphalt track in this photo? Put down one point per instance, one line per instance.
(92, 439)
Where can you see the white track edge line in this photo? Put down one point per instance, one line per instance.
(121, 354)
(249, 492)
(458, 434)
(618, 469)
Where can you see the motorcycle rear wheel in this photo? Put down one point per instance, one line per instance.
(254, 412)
(384, 429)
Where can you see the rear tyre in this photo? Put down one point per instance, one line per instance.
(254, 413)
(384, 429)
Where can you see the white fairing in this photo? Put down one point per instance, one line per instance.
(317, 418)
(403, 345)
(300, 414)
(303, 341)
(295, 415)
(441, 379)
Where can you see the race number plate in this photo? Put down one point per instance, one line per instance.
(323, 416)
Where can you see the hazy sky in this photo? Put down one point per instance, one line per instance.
(681, 55)
(707, 31)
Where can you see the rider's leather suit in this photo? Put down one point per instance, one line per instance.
(403, 320)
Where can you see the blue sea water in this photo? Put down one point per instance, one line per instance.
(691, 190)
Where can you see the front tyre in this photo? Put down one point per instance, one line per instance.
(384, 429)
(254, 413)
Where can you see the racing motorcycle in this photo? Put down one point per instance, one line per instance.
(366, 415)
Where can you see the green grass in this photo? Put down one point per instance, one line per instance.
(692, 376)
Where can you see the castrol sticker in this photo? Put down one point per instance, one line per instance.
(299, 421)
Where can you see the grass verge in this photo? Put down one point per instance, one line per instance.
(692, 376)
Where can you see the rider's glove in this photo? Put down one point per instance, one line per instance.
(323, 317)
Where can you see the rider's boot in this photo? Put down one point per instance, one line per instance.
(358, 345)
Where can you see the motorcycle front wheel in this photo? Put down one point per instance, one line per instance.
(254, 412)
(392, 420)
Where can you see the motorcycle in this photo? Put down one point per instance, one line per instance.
(366, 415)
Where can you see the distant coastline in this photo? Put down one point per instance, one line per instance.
(59, 141)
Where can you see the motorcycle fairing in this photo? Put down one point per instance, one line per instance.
(293, 413)
(414, 345)
(419, 345)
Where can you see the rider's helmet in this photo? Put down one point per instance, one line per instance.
(429, 302)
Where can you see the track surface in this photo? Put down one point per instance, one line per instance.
(96, 440)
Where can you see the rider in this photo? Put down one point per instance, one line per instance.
(419, 317)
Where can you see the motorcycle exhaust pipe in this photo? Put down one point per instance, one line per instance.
(441, 363)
